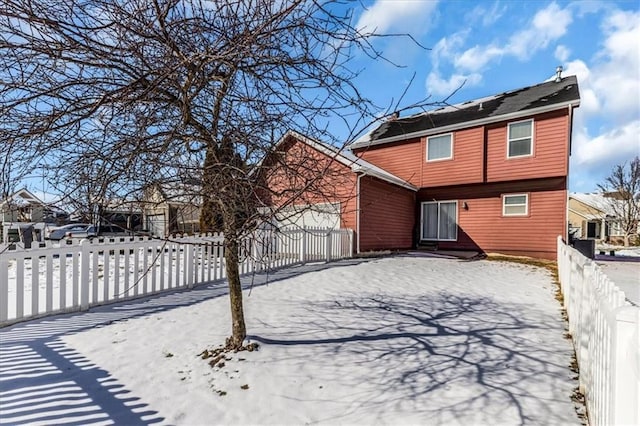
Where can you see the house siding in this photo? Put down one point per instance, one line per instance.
(470, 163)
(550, 150)
(308, 176)
(483, 227)
(465, 166)
(404, 159)
(386, 215)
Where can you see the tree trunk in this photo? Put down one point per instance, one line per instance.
(238, 328)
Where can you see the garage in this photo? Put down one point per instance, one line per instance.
(322, 215)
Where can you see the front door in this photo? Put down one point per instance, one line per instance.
(439, 221)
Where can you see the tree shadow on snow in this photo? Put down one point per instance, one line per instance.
(444, 357)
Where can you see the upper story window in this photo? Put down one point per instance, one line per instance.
(515, 205)
(520, 139)
(440, 147)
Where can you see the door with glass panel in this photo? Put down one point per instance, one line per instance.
(439, 221)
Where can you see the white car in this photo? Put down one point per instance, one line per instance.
(74, 230)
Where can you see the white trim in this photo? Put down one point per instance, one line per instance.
(531, 148)
(450, 157)
(358, 212)
(365, 141)
(584, 215)
(422, 220)
(526, 205)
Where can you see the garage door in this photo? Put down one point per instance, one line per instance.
(318, 215)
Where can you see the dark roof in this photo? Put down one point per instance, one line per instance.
(520, 100)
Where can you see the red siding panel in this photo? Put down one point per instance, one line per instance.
(464, 167)
(483, 227)
(550, 150)
(386, 215)
(403, 159)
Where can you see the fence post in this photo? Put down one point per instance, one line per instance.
(626, 367)
(328, 246)
(303, 246)
(351, 233)
(4, 288)
(84, 274)
(189, 259)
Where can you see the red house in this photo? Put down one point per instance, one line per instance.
(314, 184)
(487, 175)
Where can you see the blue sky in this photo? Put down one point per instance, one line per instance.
(496, 46)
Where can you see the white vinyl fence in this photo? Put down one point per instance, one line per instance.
(42, 281)
(605, 330)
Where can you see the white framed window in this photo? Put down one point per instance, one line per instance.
(440, 147)
(439, 221)
(520, 139)
(515, 205)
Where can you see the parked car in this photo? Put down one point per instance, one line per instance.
(109, 231)
(74, 230)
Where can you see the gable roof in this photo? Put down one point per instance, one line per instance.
(595, 201)
(544, 97)
(22, 197)
(347, 158)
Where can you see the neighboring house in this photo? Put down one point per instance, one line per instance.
(170, 209)
(23, 206)
(492, 173)
(314, 184)
(23, 210)
(593, 216)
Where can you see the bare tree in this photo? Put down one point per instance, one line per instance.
(622, 192)
(127, 93)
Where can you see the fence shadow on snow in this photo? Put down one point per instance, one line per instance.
(45, 382)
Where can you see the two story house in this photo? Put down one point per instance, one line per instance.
(487, 175)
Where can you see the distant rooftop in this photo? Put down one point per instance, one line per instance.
(549, 94)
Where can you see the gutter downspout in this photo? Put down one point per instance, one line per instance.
(566, 211)
(358, 212)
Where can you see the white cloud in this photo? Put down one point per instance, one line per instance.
(562, 53)
(607, 149)
(589, 100)
(617, 70)
(486, 16)
(386, 15)
(438, 86)
(547, 25)
(446, 47)
(609, 91)
(477, 57)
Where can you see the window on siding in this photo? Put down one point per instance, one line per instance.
(439, 221)
(520, 139)
(515, 205)
(440, 147)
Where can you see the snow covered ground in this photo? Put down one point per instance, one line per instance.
(623, 269)
(626, 275)
(401, 340)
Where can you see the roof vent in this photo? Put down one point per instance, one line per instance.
(480, 107)
(558, 74)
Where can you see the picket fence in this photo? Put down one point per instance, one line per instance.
(42, 281)
(605, 330)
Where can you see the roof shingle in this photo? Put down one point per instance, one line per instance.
(521, 100)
